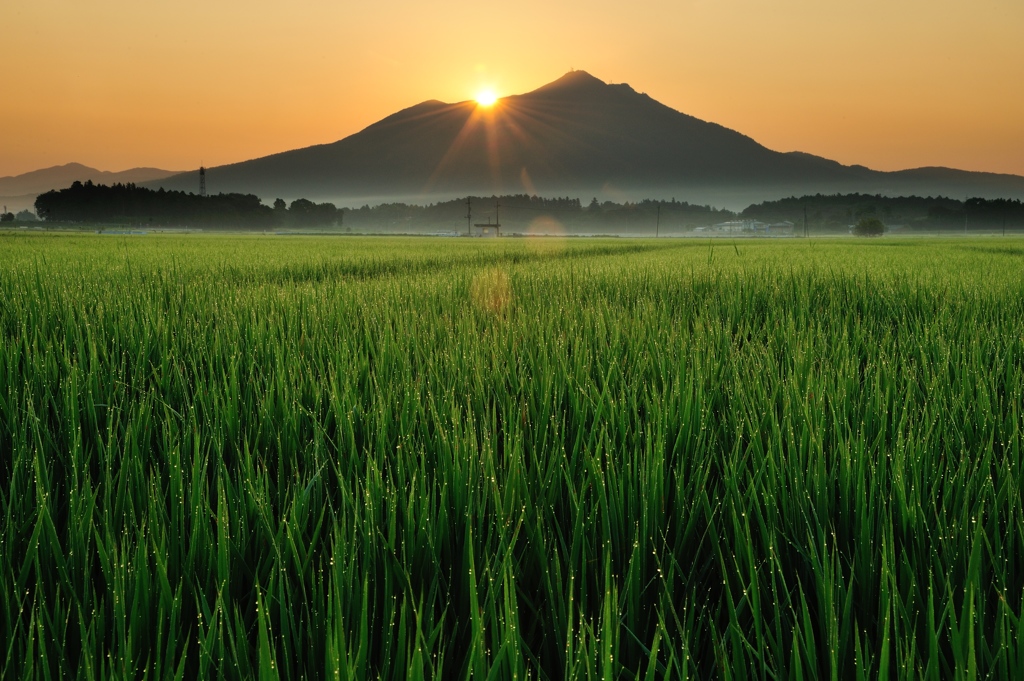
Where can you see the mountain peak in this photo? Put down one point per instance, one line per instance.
(575, 134)
(576, 77)
(573, 80)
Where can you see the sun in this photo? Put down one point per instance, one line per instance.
(486, 98)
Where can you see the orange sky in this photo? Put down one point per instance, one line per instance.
(117, 84)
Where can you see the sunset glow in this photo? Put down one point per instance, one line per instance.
(116, 84)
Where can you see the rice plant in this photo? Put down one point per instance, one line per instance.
(285, 458)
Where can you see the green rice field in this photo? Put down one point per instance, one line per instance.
(357, 458)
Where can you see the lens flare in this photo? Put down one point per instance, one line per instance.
(491, 291)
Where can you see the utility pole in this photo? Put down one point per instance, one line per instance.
(497, 218)
(469, 216)
(657, 225)
(805, 221)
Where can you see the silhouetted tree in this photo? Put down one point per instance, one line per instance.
(280, 211)
(305, 213)
(869, 226)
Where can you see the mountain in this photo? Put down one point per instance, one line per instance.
(577, 135)
(19, 192)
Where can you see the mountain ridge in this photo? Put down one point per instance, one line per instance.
(19, 192)
(38, 181)
(575, 135)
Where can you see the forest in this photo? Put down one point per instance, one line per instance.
(134, 205)
(518, 214)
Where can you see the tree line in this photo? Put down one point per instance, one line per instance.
(837, 212)
(517, 213)
(130, 204)
(525, 214)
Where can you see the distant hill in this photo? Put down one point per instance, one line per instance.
(19, 192)
(577, 135)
